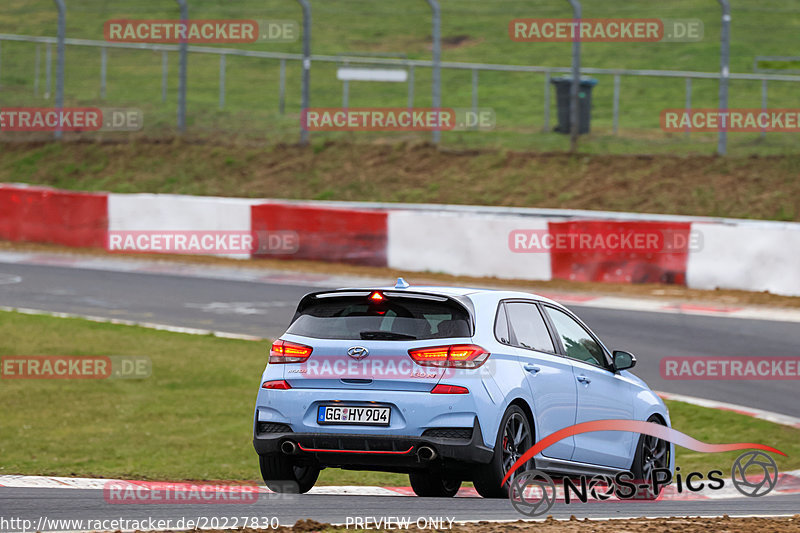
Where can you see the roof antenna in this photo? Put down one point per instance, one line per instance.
(402, 284)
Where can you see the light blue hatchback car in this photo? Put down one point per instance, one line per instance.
(448, 385)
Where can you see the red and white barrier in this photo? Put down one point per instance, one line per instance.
(466, 241)
(41, 214)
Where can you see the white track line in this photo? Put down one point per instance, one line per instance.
(777, 418)
(54, 482)
(123, 322)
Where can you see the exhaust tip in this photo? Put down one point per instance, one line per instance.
(288, 447)
(426, 453)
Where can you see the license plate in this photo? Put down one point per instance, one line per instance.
(340, 414)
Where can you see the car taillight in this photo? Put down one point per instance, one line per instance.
(288, 352)
(449, 389)
(279, 384)
(452, 356)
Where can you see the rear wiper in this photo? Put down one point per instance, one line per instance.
(385, 336)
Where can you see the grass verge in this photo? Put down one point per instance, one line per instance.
(191, 419)
(415, 172)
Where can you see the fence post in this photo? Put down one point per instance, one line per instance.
(688, 103)
(36, 70)
(103, 60)
(48, 59)
(62, 28)
(411, 86)
(221, 81)
(724, 59)
(475, 93)
(437, 60)
(576, 80)
(546, 107)
(184, 52)
(306, 5)
(616, 103)
(282, 88)
(164, 69)
(763, 104)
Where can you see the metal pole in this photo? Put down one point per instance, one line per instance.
(306, 5)
(437, 60)
(576, 79)
(345, 93)
(62, 28)
(36, 70)
(0, 42)
(48, 59)
(616, 104)
(411, 86)
(164, 69)
(764, 103)
(724, 59)
(546, 126)
(103, 61)
(688, 103)
(184, 52)
(475, 92)
(282, 89)
(221, 81)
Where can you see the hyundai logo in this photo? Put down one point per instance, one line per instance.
(358, 352)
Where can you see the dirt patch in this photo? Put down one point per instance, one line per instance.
(670, 293)
(573, 525)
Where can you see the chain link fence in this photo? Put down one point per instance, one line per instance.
(253, 91)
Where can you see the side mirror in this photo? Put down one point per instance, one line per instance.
(623, 360)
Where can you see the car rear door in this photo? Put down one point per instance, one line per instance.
(547, 374)
(602, 394)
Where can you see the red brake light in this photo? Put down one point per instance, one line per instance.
(449, 389)
(453, 356)
(288, 352)
(280, 384)
(376, 297)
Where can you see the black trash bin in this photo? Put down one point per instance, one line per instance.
(563, 85)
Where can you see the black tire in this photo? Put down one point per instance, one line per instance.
(283, 475)
(651, 453)
(506, 452)
(429, 485)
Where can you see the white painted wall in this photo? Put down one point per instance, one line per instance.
(463, 244)
(172, 212)
(748, 256)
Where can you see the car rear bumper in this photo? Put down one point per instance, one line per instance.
(389, 452)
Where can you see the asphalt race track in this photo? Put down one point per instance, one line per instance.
(263, 308)
(89, 504)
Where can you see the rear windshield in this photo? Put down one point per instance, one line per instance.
(356, 317)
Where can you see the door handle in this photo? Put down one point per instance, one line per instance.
(584, 379)
(533, 369)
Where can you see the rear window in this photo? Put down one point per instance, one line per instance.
(394, 318)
